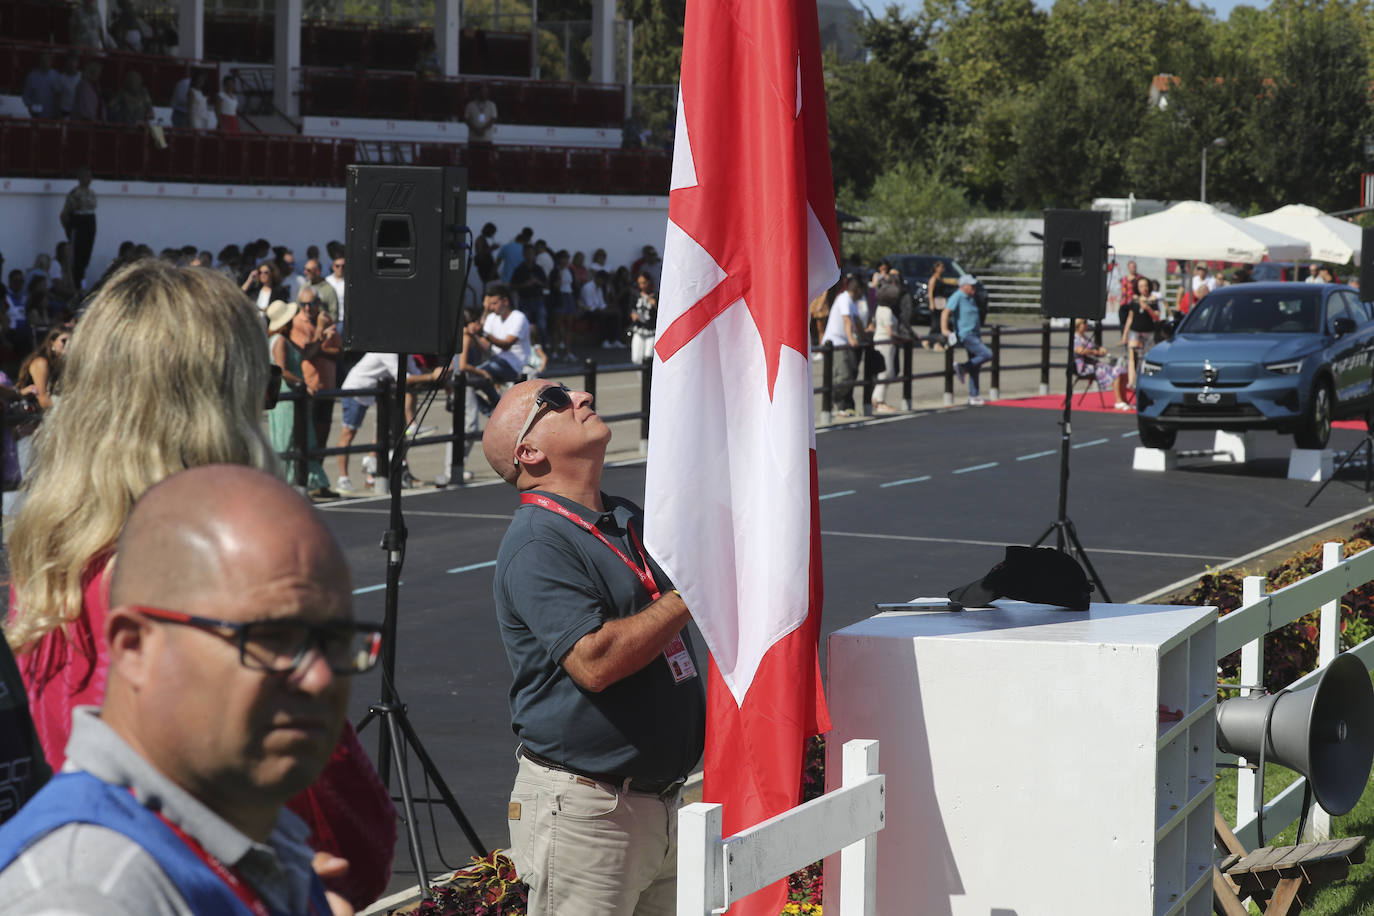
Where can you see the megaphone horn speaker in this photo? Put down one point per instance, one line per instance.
(1325, 731)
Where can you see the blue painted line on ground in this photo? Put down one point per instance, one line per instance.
(977, 467)
(1052, 451)
(370, 588)
(1134, 432)
(1087, 444)
(898, 483)
(833, 495)
(458, 569)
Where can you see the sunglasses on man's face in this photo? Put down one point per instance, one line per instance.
(554, 397)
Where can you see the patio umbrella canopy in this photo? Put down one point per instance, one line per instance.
(1332, 240)
(1194, 231)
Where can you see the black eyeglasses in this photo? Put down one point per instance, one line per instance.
(554, 397)
(280, 646)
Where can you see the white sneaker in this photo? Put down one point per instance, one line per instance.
(344, 485)
(412, 430)
(976, 402)
(369, 464)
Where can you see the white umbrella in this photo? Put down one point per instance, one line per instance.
(1194, 231)
(1332, 239)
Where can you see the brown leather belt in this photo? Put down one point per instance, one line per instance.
(657, 787)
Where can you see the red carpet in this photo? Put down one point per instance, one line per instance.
(1092, 404)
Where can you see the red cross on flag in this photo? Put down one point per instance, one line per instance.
(731, 482)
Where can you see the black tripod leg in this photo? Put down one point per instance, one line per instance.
(1367, 446)
(1072, 534)
(412, 832)
(1054, 526)
(401, 719)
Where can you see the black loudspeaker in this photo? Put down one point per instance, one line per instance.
(1325, 731)
(1073, 283)
(1367, 264)
(407, 258)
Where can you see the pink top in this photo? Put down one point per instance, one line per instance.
(66, 670)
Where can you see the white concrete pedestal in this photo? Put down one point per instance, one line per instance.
(1154, 459)
(1233, 448)
(1311, 464)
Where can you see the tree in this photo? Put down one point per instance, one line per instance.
(913, 209)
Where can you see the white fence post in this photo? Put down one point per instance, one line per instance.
(859, 861)
(1328, 644)
(1248, 799)
(698, 864)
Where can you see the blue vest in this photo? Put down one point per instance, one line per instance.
(82, 798)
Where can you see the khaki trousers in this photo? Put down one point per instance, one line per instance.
(589, 849)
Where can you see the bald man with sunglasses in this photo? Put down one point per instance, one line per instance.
(607, 699)
(231, 643)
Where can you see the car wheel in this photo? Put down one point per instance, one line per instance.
(1152, 436)
(1315, 428)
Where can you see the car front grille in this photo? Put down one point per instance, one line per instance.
(1199, 411)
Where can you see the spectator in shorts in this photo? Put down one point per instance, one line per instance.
(497, 349)
(369, 372)
(562, 307)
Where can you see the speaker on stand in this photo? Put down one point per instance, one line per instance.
(1073, 285)
(1324, 731)
(407, 268)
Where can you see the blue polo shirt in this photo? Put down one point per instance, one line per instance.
(963, 309)
(554, 584)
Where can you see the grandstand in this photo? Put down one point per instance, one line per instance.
(318, 94)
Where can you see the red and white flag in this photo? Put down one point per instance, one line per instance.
(731, 510)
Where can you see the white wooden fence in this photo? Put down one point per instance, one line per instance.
(713, 872)
(1244, 629)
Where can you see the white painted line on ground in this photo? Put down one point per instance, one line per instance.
(1092, 443)
(934, 540)
(1053, 451)
(428, 514)
(462, 569)
(1228, 564)
(898, 483)
(1134, 432)
(371, 588)
(977, 467)
(833, 495)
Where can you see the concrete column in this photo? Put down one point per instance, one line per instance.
(446, 28)
(603, 41)
(191, 28)
(286, 62)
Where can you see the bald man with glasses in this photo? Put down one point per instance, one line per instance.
(607, 699)
(231, 643)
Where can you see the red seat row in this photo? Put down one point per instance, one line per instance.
(348, 93)
(57, 148)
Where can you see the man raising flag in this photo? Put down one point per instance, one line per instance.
(731, 483)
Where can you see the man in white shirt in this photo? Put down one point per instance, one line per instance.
(496, 349)
(368, 372)
(336, 282)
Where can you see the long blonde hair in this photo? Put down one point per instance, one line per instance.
(167, 370)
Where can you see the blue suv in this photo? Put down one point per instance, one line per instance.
(1284, 356)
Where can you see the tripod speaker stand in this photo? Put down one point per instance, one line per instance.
(1364, 447)
(1066, 536)
(397, 733)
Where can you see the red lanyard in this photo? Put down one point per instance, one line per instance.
(646, 578)
(225, 873)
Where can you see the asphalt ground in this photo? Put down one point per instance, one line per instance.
(911, 506)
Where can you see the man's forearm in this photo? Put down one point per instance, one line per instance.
(625, 645)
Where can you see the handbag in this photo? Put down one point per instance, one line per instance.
(874, 364)
(350, 814)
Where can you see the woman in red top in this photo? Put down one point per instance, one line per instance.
(167, 370)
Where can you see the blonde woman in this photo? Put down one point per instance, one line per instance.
(167, 370)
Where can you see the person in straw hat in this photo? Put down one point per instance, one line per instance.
(294, 337)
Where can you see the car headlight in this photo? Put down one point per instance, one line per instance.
(1149, 368)
(1286, 367)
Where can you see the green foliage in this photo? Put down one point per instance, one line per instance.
(913, 208)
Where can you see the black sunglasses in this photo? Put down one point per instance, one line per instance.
(554, 397)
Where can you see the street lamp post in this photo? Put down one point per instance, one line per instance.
(1219, 142)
